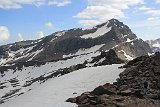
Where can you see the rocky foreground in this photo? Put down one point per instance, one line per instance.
(128, 90)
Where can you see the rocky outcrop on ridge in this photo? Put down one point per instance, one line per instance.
(107, 58)
(128, 90)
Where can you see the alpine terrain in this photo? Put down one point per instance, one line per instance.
(47, 71)
(127, 91)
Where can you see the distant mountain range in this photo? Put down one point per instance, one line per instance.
(154, 44)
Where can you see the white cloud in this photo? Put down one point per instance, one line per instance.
(8, 4)
(144, 8)
(153, 18)
(150, 11)
(102, 10)
(4, 33)
(59, 3)
(153, 12)
(49, 25)
(14, 4)
(120, 4)
(40, 34)
(34, 2)
(148, 23)
(158, 1)
(146, 29)
(20, 37)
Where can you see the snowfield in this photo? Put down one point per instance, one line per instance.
(99, 32)
(55, 91)
(81, 52)
(157, 45)
(32, 72)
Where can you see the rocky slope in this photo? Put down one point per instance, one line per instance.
(128, 90)
(27, 64)
(154, 44)
(112, 34)
(21, 77)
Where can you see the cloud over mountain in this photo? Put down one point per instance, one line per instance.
(15, 4)
(4, 33)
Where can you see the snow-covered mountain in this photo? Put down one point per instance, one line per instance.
(154, 44)
(69, 43)
(26, 65)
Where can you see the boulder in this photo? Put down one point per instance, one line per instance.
(127, 92)
(72, 100)
(108, 89)
(83, 99)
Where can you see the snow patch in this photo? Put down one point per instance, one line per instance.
(100, 31)
(60, 33)
(35, 53)
(127, 56)
(16, 55)
(85, 51)
(150, 54)
(157, 45)
(132, 43)
(114, 46)
(124, 35)
(129, 40)
(54, 92)
(101, 60)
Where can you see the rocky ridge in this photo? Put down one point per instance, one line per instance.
(154, 44)
(128, 90)
(112, 34)
(28, 63)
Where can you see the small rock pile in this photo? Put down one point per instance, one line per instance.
(128, 90)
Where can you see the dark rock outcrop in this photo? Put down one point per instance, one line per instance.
(128, 90)
(107, 58)
(108, 89)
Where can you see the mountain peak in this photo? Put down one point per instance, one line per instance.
(110, 22)
(114, 20)
(27, 63)
(112, 34)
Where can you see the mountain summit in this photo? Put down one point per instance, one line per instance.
(25, 65)
(111, 34)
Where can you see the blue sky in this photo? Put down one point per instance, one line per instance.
(32, 19)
